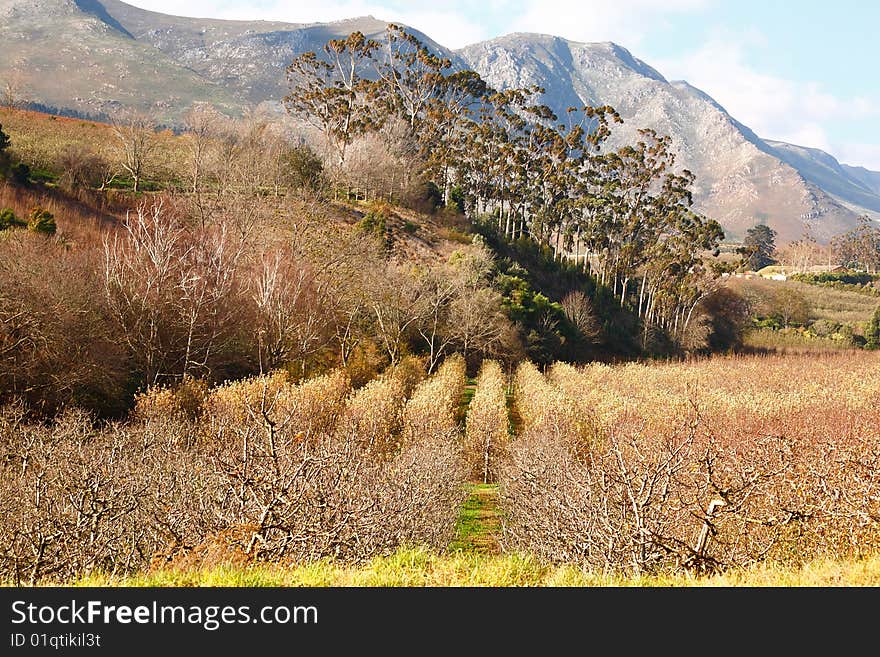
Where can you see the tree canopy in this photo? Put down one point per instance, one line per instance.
(759, 247)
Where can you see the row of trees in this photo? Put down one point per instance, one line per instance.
(167, 297)
(623, 214)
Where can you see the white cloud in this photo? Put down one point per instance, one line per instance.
(445, 22)
(859, 155)
(625, 22)
(773, 106)
(456, 23)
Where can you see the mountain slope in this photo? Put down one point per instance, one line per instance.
(82, 58)
(741, 180)
(856, 186)
(247, 57)
(870, 179)
(96, 55)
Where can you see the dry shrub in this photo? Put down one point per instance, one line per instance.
(350, 493)
(486, 429)
(434, 407)
(57, 344)
(533, 394)
(186, 399)
(556, 403)
(78, 500)
(375, 414)
(410, 371)
(270, 471)
(308, 409)
(785, 467)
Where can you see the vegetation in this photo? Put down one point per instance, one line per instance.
(418, 567)
(872, 331)
(859, 248)
(700, 466)
(244, 352)
(624, 216)
(759, 247)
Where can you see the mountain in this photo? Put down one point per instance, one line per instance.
(95, 55)
(741, 179)
(75, 55)
(855, 186)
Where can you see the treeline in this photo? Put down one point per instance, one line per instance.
(504, 159)
(244, 264)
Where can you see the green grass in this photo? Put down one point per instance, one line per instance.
(421, 567)
(478, 520)
(467, 395)
(843, 306)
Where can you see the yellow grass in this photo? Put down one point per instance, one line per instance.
(418, 567)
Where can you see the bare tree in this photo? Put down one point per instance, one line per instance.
(201, 131)
(579, 311)
(14, 89)
(174, 294)
(135, 134)
(292, 321)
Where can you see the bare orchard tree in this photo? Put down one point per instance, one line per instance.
(135, 134)
(174, 293)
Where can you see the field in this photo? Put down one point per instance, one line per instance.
(42, 140)
(726, 471)
(843, 306)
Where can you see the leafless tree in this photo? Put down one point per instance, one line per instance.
(135, 134)
(579, 311)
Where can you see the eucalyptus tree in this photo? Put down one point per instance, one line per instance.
(332, 93)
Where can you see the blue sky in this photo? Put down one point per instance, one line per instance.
(799, 71)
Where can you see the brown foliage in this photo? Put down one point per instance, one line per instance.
(676, 479)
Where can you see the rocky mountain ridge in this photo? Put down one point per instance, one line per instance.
(96, 55)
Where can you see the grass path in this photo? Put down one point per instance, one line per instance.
(479, 523)
(479, 520)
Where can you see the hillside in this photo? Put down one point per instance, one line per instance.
(853, 186)
(95, 56)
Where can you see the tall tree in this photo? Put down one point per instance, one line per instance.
(331, 93)
(759, 247)
(872, 331)
(859, 248)
(135, 134)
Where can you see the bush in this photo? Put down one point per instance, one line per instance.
(21, 173)
(845, 278)
(305, 168)
(825, 328)
(41, 221)
(486, 430)
(456, 200)
(376, 219)
(8, 219)
(872, 331)
(702, 466)
(423, 196)
(268, 472)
